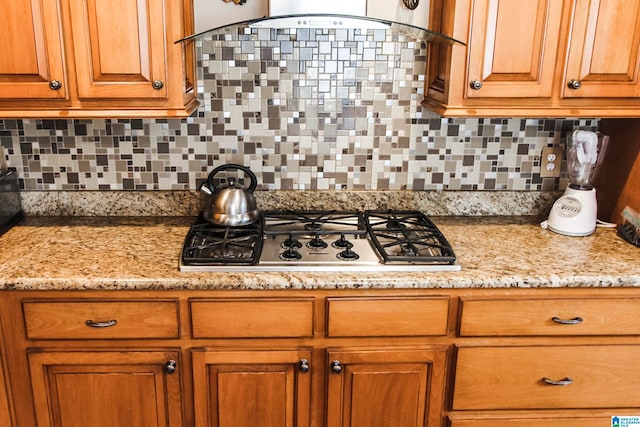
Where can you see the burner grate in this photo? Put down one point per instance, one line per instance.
(407, 237)
(208, 244)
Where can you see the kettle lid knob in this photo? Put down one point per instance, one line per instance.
(246, 170)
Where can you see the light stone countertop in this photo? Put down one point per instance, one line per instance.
(57, 253)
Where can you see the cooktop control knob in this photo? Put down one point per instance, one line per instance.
(316, 243)
(342, 242)
(291, 254)
(348, 255)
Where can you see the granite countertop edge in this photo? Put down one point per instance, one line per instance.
(338, 282)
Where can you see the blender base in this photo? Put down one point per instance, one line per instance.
(575, 213)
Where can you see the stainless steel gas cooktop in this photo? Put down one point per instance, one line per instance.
(320, 241)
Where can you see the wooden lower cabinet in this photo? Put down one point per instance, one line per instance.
(385, 387)
(248, 388)
(319, 358)
(365, 387)
(106, 388)
(546, 362)
(547, 377)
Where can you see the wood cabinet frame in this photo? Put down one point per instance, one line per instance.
(428, 353)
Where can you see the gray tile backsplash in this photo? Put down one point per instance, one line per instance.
(304, 109)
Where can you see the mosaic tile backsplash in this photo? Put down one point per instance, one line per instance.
(304, 109)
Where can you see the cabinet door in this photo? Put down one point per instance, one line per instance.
(512, 48)
(252, 388)
(120, 48)
(604, 49)
(106, 388)
(381, 388)
(32, 53)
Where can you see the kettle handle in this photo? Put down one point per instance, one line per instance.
(246, 170)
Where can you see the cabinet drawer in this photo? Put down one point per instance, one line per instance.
(533, 422)
(538, 316)
(101, 319)
(519, 377)
(244, 318)
(381, 317)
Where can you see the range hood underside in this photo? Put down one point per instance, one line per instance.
(333, 21)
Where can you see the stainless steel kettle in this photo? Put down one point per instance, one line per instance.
(230, 205)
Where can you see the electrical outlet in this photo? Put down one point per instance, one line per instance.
(550, 162)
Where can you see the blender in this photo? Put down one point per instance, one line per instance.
(575, 213)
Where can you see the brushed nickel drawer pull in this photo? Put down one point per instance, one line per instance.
(574, 321)
(106, 324)
(563, 382)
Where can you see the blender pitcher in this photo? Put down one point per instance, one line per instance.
(585, 151)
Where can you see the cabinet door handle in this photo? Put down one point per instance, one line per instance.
(303, 366)
(55, 84)
(336, 367)
(157, 84)
(107, 324)
(476, 84)
(574, 321)
(574, 84)
(563, 382)
(171, 367)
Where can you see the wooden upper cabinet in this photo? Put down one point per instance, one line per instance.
(512, 48)
(120, 48)
(32, 51)
(112, 58)
(604, 49)
(535, 58)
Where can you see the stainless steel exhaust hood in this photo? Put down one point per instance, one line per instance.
(344, 14)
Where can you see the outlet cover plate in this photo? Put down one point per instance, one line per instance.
(550, 162)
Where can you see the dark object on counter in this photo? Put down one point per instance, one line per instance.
(10, 205)
(629, 233)
(629, 230)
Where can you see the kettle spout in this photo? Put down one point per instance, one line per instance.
(204, 188)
